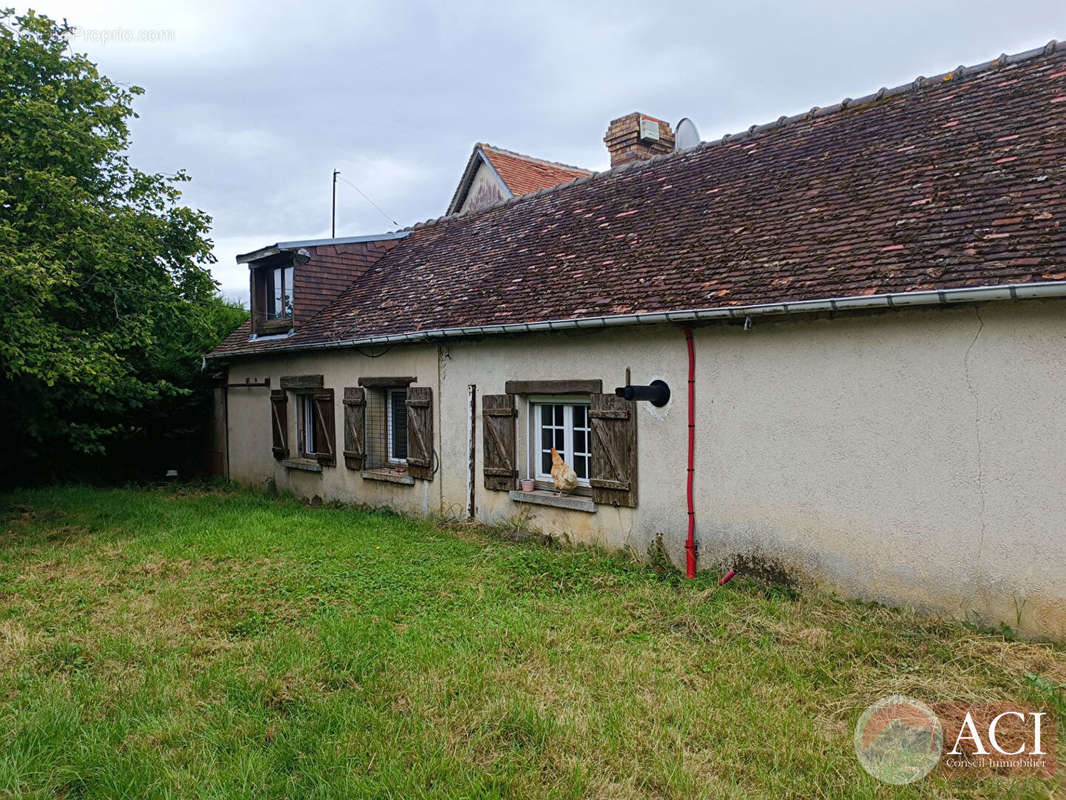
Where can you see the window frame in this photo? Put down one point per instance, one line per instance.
(267, 320)
(272, 295)
(389, 416)
(535, 405)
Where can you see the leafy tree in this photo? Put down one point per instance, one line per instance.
(107, 302)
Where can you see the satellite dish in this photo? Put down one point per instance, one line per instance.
(685, 135)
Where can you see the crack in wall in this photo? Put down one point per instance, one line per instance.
(977, 432)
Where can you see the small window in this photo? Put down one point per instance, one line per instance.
(306, 408)
(385, 428)
(272, 298)
(279, 293)
(397, 425)
(562, 423)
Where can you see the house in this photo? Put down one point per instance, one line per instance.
(861, 307)
(493, 175)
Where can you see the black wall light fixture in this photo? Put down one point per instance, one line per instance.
(657, 393)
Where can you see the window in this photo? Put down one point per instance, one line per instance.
(306, 410)
(315, 423)
(385, 427)
(562, 423)
(279, 293)
(272, 296)
(396, 413)
(568, 415)
(389, 429)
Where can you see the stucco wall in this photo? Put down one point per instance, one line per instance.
(484, 190)
(252, 462)
(651, 354)
(913, 457)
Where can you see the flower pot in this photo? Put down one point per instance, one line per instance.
(528, 485)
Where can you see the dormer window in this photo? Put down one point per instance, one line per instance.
(273, 295)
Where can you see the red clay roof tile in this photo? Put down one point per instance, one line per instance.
(525, 174)
(870, 197)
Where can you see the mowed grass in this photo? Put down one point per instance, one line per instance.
(232, 644)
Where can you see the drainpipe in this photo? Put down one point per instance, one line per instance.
(690, 543)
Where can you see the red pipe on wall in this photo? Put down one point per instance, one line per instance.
(690, 543)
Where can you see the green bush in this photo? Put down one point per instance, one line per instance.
(107, 297)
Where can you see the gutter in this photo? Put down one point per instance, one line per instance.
(935, 297)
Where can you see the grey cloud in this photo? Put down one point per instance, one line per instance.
(259, 102)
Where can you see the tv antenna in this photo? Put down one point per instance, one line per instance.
(333, 223)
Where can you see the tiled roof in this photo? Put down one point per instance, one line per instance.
(520, 174)
(955, 181)
(525, 174)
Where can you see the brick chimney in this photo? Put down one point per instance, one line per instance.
(637, 137)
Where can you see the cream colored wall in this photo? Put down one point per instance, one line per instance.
(585, 355)
(251, 459)
(913, 457)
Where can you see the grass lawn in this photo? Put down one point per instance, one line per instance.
(222, 644)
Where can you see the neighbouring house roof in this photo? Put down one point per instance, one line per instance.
(516, 174)
(931, 190)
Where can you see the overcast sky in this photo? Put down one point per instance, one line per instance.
(259, 102)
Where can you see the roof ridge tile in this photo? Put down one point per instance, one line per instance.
(782, 121)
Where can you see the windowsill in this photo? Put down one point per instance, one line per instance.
(305, 464)
(388, 476)
(541, 497)
(283, 332)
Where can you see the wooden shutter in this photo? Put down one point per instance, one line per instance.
(279, 423)
(354, 427)
(325, 428)
(420, 432)
(613, 469)
(499, 422)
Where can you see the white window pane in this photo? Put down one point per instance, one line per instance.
(546, 439)
(276, 309)
(581, 466)
(309, 423)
